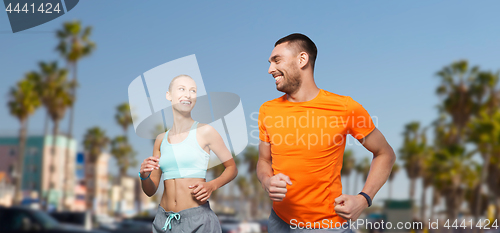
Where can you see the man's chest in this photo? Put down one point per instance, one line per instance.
(317, 129)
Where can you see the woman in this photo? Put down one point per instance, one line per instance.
(182, 155)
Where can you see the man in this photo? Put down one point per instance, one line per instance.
(303, 135)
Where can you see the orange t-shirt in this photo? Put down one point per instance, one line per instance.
(307, 144)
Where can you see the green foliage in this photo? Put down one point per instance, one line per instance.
(95, 141)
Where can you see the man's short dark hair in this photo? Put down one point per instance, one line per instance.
(302, 43)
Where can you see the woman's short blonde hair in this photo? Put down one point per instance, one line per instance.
(177, 77)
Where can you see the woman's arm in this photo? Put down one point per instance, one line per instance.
(203, 190)
(150, 167)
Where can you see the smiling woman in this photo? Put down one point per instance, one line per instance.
(182, 155)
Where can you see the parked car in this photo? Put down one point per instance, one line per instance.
(23, 219)
(130, 226)
(232, 225)
(77, 219)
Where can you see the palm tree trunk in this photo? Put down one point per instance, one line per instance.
(345, 185)
(52, 162)
(390, 190)
(20, 163)
(482, 179)
(350, 184)
(46, 125)
(90, 181)
(122, 202)
(498, 208)
(356, 181)
(412, 195)
(412, 189)
(433, 206)
(422, 203)
(70, 136)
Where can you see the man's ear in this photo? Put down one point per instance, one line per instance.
(303, 59)
(169, 98)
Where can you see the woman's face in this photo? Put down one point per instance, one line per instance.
(183, 94)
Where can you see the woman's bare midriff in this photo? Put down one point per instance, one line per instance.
(177, 194)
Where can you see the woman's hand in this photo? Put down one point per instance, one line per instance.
(148, 165)
(202, 190)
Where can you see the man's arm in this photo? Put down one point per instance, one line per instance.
(351, 206)
(264, 168)
(275, 185)
(383, 160)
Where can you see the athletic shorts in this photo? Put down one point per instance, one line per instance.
(197, 219)
(277, 225)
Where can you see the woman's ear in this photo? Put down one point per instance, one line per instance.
(169, 98)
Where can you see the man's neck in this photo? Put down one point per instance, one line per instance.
(307, 91)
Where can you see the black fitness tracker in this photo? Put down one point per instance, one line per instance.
(368, 199)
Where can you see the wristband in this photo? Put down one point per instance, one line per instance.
(368, 199)
(144, 178)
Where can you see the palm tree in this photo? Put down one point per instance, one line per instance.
(74, 44)
(124, 154)
(123, 117)
(348, 163)
(485, 134)
(95, 141)
(54, 91)
(427, 174)
(23, 102)
(452, 167)
(394, 171)
(494, 181)
(455, 174)
(158, 129)
(458, 92)
(485, 130)
(414, 144)
(251, 157)
(463, 91)
(245, 191)
(363, 168)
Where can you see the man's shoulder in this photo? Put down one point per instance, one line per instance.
(334, 95)
(273, 101)
(335, 98)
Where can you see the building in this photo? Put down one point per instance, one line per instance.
(97, 184)
(80, 166)
(44, 173)
(6, 190)
(142, 201)
(398, 211)
(80, 194)
(53, 165)
(123, 196)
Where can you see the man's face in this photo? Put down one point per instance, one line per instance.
(183, 94)
(284, 68)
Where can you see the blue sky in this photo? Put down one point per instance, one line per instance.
(384, 54)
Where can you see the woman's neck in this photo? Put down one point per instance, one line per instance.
(181, 123)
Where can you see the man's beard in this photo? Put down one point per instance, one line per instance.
(290, 84)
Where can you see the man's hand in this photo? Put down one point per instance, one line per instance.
(276, 186)
(350, 207)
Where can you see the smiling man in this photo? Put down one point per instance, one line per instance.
(303, 135)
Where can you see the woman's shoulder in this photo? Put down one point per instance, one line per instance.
(159, 138)
(205, 129)
(161, 135)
